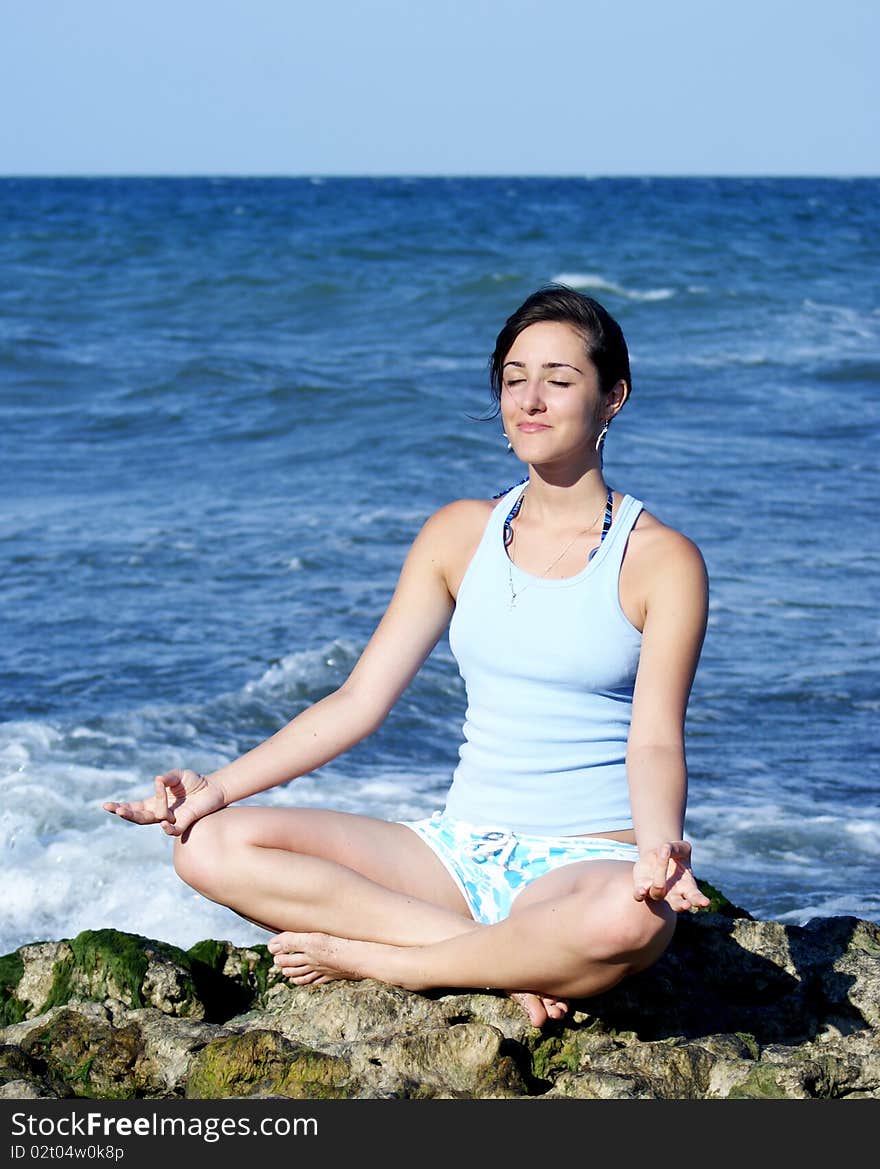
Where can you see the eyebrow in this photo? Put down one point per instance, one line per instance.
(546, 365)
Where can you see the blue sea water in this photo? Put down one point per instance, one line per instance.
(228, 405)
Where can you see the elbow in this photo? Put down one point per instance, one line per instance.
(363, 712)
(654, 749)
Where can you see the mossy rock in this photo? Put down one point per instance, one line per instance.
(264, 1063)
(762, 1083)
(91, 1058)
(108, 964)
(213, 980)
(15, 1067)
(464, 1060)
(230, 980)
(12, 1008)
(571, 1049)
(718, 903)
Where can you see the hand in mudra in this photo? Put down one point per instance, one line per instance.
(664, 874)
(181, 797)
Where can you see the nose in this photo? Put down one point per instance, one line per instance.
(529, 396)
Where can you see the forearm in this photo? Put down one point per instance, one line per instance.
(320, 733)
(657, 776)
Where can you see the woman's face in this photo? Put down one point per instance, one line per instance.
(551, 404)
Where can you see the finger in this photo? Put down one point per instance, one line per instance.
(658, 880)
(680, 851)
(162, 812)
(643, 888)
(124, 811)
(640, 888)
(138, 816)
(175, 781)
(171, 781)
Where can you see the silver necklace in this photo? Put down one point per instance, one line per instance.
(508, 540)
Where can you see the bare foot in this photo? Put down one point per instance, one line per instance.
(310, 959)
(540, 1007)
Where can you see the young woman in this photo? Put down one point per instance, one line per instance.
(557, 866)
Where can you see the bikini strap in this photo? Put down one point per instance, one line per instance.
(514, 512)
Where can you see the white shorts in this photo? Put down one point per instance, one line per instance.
(491, 865)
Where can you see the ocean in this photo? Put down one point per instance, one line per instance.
(228, 405)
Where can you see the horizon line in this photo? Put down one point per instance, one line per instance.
(416, 175)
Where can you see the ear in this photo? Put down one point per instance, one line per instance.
(615, 400)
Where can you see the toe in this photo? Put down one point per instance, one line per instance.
(533, 1007)
(304, 979)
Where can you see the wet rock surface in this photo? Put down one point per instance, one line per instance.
(735, 1009)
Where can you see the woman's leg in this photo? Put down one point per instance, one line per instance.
(574, 932)
(311, 869)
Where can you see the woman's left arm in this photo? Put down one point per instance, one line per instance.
(676, 596)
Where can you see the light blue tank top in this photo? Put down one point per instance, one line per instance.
(549, 684)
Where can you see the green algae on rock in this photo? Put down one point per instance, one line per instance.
(263, 1063)
(735, 1009)
(93, 1058)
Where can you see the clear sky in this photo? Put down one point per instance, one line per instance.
(580, 87)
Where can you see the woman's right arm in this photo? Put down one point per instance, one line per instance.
(415, 619)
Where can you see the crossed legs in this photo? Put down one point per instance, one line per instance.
(574, 937)
(354, 897)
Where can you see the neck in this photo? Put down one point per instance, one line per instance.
(559, 501)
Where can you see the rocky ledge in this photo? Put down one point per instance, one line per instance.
(736, 1008)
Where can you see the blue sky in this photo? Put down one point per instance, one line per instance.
(583, 87)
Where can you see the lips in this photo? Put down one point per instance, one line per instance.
(531, 427)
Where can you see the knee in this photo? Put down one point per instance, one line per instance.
(650, 926)
(638, 932)
(198, 853)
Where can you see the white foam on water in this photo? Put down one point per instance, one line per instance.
(843, 319)
(67, 865)
(832, 906)
(118, 877)
(600, 284)
(313, 668)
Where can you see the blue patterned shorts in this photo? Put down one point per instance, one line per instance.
(491, 865)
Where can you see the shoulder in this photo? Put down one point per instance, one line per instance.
(663, 564)
(458, 520)
(659, 546)
(451, 535)
(670, 568)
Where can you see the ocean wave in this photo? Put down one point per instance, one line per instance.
(843, 318)
(308, 670)
(600, 284)
(68, 871)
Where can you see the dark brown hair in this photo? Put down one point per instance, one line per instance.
(603, 338)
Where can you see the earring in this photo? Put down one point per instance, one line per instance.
(602, 434)
(507, 440)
